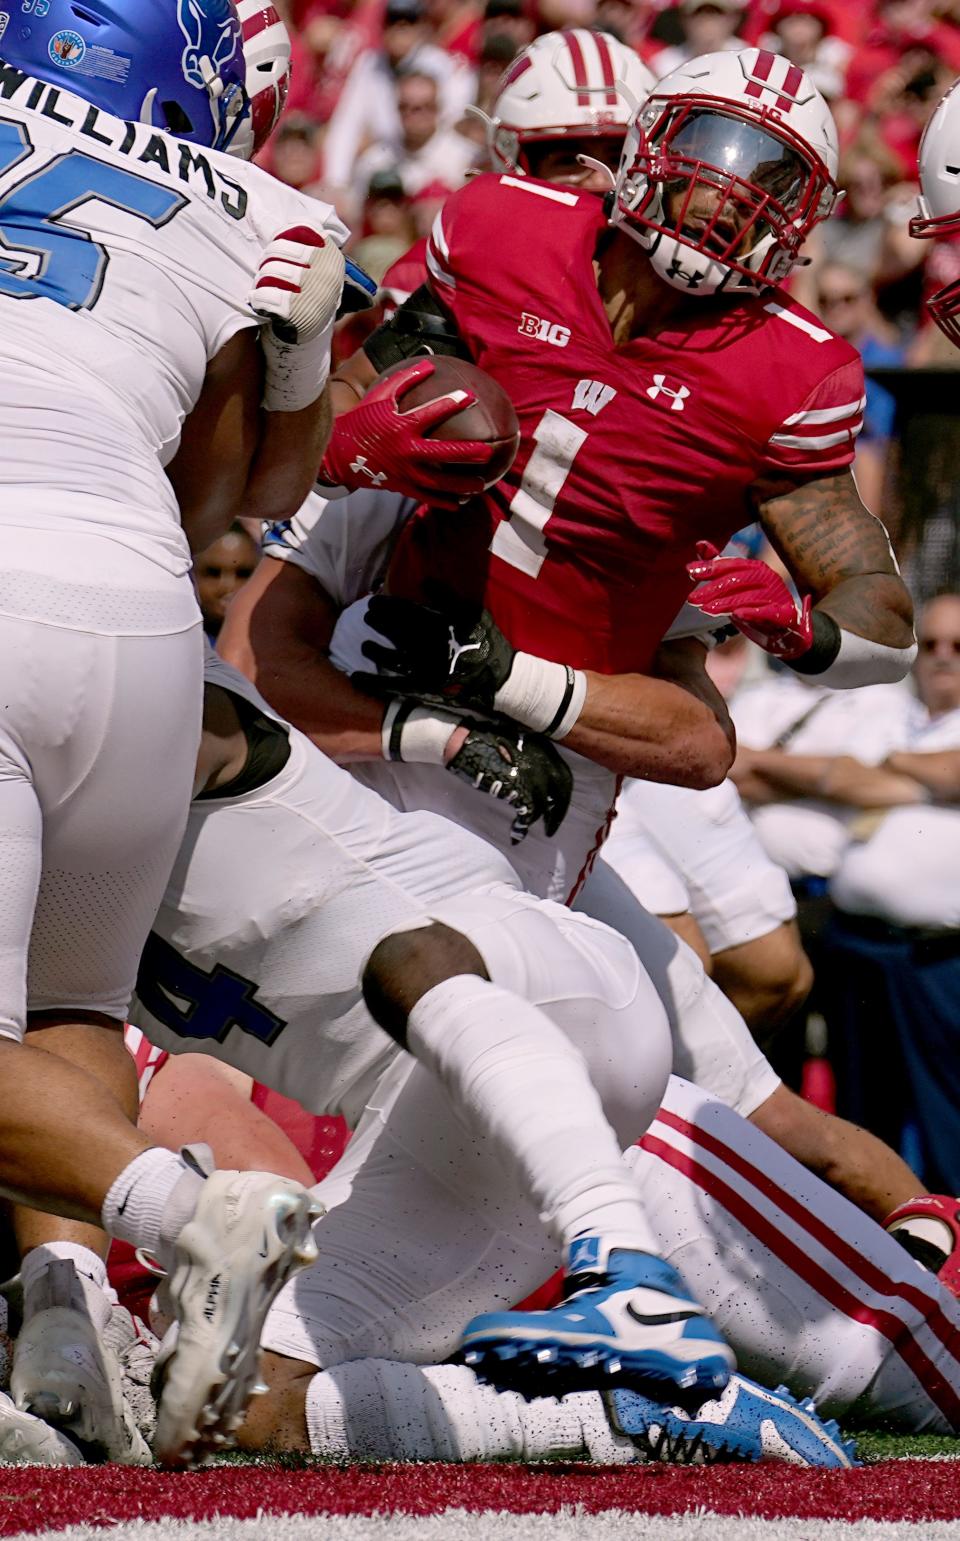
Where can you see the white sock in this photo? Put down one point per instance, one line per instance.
(152, 1200)
(88, 1263)
(526, 1090)
(379, 1410)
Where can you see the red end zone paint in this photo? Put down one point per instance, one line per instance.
(33, 1499)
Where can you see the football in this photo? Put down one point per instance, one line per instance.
(490, 419)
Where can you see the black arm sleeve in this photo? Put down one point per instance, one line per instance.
(421, 325)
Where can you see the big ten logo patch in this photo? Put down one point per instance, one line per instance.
(543, 331)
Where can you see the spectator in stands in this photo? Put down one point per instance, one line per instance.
(904, 38)
(846, 302)
(295, 150)
(387, 228)
(892, 951)
(457, 26)
(424, 152)
(856, 233)
(425, 207)
(708, 27)
(496, 51)
(803, 31)
(323, 46)
(790, 732)
(367, 112)
(219, 571)
(509, 18)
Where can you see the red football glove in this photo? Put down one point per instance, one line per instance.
(756, 599)
(378, 445)
(929, 1228)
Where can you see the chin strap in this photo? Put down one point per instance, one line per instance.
(594, 165)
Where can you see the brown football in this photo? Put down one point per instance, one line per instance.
(490, 419)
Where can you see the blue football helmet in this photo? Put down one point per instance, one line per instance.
(176, 65)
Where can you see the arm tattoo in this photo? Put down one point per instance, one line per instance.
(839, 552)
(825, 534)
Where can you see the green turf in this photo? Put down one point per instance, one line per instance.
(872, 1446)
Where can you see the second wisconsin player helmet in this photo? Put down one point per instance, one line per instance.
(726, 170)
(173, 64)
(940, 200)
(564, 86)
(266, 51)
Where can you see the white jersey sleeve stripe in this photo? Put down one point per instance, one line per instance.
(802, 324)
(438, 238)
(437, 272)
(823, 441)
(821, 415)
(553, 193)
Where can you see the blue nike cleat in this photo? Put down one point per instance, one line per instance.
(746, 1423)
(627, 1320)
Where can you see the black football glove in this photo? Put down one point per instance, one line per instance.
(448, 652)
(508, 762)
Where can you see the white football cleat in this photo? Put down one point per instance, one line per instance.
(251, 1231)
(28, 1441)
(66, 1372)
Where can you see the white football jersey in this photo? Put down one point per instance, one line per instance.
(275, 902)
(127, 258)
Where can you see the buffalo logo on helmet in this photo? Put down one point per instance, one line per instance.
(197, 51)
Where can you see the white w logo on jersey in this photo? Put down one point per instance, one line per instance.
(592, 396)
(677, 394)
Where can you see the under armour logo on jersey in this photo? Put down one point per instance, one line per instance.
(360, 464)
(544, 331)
(676, 393)
(592, 396)
(772, 72)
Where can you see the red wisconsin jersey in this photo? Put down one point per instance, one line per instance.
(628, 455)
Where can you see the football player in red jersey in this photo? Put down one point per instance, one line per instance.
(658, 407)
(667, 394)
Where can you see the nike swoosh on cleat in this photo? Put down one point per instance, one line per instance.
(664, 1319)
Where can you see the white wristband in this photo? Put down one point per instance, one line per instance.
(296, 372)
(545, 696)
(415, 735)
(862, 662)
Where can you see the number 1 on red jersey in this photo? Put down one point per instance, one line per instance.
(521, 540)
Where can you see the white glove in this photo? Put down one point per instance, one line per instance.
(296, 293)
